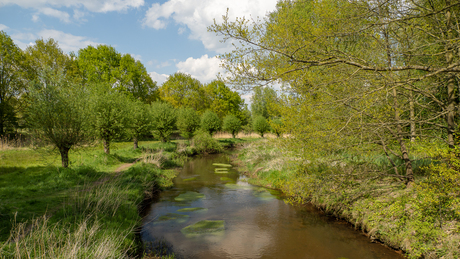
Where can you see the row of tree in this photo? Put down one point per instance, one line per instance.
(357, 74)
(100, 94)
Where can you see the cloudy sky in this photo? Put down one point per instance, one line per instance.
(167, 36)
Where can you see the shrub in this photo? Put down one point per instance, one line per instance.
(163, 120)
(188, 122)
(204, 143)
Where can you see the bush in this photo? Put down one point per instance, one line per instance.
(204, 143)
(210, 122)
(260, 125)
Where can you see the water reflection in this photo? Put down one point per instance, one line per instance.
(258, 224)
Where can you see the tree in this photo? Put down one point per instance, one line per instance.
(12, 81)
(57, 111)
(370, 66)
(222, 100)
(181, 90)
(134, 79)
(260, 125)
(277, 126)
(109, 114)
(163, 120)
(139, 121)
(188, 121)
(263, 101)
(232, 125)
(210, 122)
(99, 64)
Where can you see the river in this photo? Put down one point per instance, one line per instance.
(216, 214)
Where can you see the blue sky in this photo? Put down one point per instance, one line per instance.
(167, 36)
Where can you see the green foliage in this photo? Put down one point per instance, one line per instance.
(139, 121)
(163, 120)
(210, 122)
(222, 100)
(57, 112)
(263, 102)
(188, 121)
(204, 143)
(260, 125)
(109, 114)
(232, 125)
(181, 90)
(277, 126)
(11, 82)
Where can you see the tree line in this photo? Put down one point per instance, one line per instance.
(99, 94)
(364, 75)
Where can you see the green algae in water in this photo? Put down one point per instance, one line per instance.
(189, 196)
(222, 165)
(221, 169)
(226, 179)
(221, 172)
(189, 179)
(215, 227)
(174, 216)
(192, 209)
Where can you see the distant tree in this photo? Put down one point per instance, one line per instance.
(210, 122)
(139, 121)
(277, 126)
(181, 90)
(188, 121)
(163, 120)
(263, 101)
(260, 125)
(109, 114)
(99, 64)
(222, 100)
(134, 79)
(12, 83)
(232, 125)
(57, 111)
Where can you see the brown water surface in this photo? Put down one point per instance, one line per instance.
(257, 222)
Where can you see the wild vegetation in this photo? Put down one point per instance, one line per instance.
(369, 107)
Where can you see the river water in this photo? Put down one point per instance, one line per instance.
(245, 221)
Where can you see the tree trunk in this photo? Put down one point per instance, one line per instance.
(450, 80)
(64, 156)
(135, 143)
(106, 144)
(412, 117)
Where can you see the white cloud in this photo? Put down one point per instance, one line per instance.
(3, 27)
(204, 69)
(50, 7)
(197, 15)
(136, 57)
(63, 16)
(159, 78)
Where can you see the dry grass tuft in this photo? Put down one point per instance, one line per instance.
(155, 158)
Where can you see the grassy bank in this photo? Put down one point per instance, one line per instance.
(91, 209)
(422, 220)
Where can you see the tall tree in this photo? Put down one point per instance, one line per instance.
(12, 81)
(181, 90)
(222, 100)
